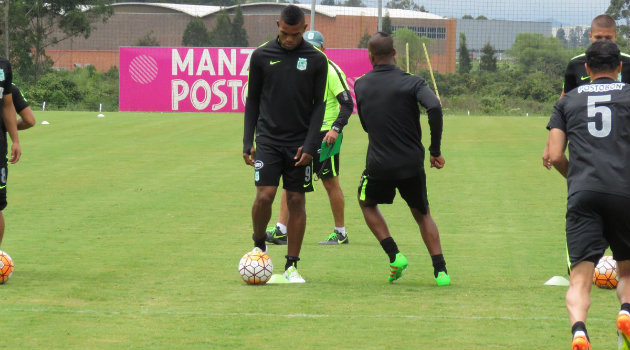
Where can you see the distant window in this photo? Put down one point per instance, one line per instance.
(429, 32)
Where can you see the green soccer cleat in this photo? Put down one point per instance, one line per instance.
(397, 267)
(275, 236)
(622, 341)
(335, 238)
(443, 279)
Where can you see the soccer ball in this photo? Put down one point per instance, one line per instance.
(6, 267)
(605, 275)
(255, 267)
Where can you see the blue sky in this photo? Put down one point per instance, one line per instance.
(567, 12)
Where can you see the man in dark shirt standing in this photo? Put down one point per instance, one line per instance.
(387, 101)
(285, 107)
(27, 120)
(10, 125)
(595, 121)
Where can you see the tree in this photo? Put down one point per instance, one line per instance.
(328, 2)
(403, 4)
(387, 23)
(422, 9)
(38, 24)
(465, 65)
(482, 17)
(239, 34)
(488, 62)
(467, 17)
(586, 40)
(363, 43)
(416, 57)
(196, 34)
(539, 53)
(148, 39)
(354, 3)
(561, 36)
(620, 10)
(221, 34)
(575, 37)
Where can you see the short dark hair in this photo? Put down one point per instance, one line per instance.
(292, 15)
(604, 21)
(381, 44)
(603, 56)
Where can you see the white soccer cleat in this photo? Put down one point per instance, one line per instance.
(293, 276)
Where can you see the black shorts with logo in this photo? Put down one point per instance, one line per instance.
(273, 162)
(379, 191)
(595, 221)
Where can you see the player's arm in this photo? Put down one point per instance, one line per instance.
(8, 115)
(570, 79)
(557, 142)
(252, 109)
(26, 120)
(342, 93)
(305, 154)
(432, 104)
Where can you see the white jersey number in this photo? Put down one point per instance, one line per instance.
(604, 111)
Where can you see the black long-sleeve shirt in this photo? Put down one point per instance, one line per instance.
(387, 100)
(575, 75)
(286, 96)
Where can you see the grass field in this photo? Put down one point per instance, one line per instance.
(126, 232)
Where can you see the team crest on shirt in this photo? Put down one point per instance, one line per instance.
(1, 74)
(301, 63)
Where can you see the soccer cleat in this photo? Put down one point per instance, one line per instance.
(443, 279)
(397, 267)
(622, 341)
(580, 343)
(293, 276)
(275, 236)
(623, 325)
(335, 238)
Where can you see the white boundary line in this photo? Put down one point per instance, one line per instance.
(297, 315)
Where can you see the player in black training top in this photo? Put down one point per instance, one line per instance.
(10, 123)
(27, 120)
(603, 27)
(387, 101)
(285, 107)
(594, 120)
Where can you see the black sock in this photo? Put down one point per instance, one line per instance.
(625, 307)
(579, 326)
(291, 261)
(390, 247)
(439, 264)
(259, 243)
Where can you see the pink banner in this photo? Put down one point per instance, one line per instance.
(181, 79)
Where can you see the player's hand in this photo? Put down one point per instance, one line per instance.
(331, 137)
(437, 162)
(250, 158)
(546, 160)
(302, 158)
(16, 152)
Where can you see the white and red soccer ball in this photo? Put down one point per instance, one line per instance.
(255, 267)
(605, 275)
(6, 267)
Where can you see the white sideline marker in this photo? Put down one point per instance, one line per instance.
(45, 122)
(557, 281)
(100, 115)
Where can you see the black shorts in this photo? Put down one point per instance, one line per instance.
(4, 174)
(327, 169)
(413, 190)
(273, 162)
(595, 221)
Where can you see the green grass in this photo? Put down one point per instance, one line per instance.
(126, 232)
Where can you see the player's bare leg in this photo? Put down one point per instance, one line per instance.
(428, 230)
(297, 222)
(578, 301)
(375, 220)
(283, 217)
(1, 227)
(261, 210)
(335, 196)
